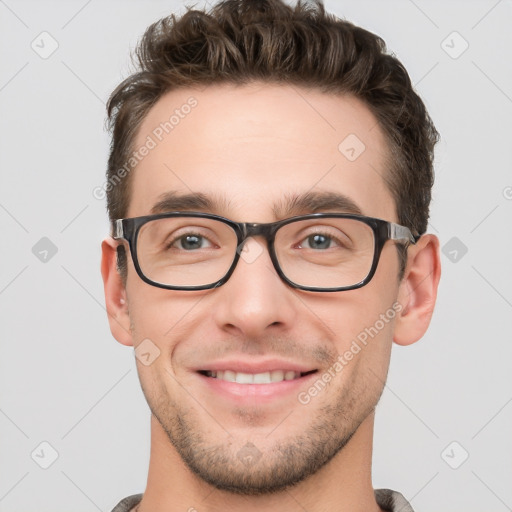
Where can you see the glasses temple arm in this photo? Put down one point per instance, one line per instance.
(397, 232)
(117, 229)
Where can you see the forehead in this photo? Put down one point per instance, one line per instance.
(254, 148)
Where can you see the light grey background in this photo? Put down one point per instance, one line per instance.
(64, 380)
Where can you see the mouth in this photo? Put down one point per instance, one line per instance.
(269, 377)
(256, 381)
(249, 389)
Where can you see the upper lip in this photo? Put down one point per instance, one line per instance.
(267, 365)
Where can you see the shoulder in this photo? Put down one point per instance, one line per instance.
(392, 501)
(126, 504)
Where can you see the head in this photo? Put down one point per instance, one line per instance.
(248, 107)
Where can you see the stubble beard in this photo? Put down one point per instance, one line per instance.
(243, 466)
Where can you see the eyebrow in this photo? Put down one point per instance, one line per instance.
(312, 202)
(173, 201)
(289, 206)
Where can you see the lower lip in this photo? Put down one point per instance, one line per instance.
(262, 393)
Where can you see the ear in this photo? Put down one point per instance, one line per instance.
(115, 293)
(418, 290)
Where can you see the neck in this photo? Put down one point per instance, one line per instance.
(342, 485)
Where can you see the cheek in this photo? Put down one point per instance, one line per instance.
(362, 314)
(374, 310)
(361, 322)
(163, 322)
(364, 349)
(156, 313)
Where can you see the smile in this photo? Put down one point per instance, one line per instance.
(255, 378)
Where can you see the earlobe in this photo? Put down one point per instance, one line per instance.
(115, 293)
(418, 290)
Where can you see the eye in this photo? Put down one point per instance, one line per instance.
(321, 238)
(189, 242)
(318, 241)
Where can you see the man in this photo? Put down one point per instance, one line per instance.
(268, 187)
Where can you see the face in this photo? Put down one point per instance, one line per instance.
(253, 148)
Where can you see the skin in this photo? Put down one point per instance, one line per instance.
(255, 144)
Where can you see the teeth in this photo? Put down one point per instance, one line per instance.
(227, 375)
(255, 378)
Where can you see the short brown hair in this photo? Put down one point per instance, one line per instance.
(241, 41)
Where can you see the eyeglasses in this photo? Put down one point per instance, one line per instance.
(321, 252)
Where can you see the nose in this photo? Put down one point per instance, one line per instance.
(254, 299)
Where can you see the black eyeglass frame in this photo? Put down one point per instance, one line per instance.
(128, 229)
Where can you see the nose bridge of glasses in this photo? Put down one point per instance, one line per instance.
(255, 229)
(249, 230)
(249, 248)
